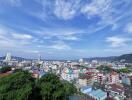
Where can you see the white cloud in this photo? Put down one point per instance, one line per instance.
(2, 34)
(66, 9)
(61, 9)
(59, 33)
(128, 28)
(117, 41)
(2, 31)
(106, 10)
(11, 39)
(21, 36)
(60, 45)
(70, 37)
(97, 7)
(7, 44)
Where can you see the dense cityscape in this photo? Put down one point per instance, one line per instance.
(65, 49)
(93, 80)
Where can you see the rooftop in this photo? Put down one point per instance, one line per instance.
(117, 88)
(98, 93)
(85, 87)
(113, 73)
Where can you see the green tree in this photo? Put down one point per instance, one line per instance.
(21, 86)
(17, 86)
(53, 89)
(69, 89)
(5, 69)
(124, 70)
(105, 69)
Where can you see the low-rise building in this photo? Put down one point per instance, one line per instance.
(98, 94)
(69, 74)
(85, 80)
(116, 90)
(86, 89)
(127, 80)
(37, 73)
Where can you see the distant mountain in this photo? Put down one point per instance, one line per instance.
(19, 58)
(111, 58)
(2, 58)
(125, 58)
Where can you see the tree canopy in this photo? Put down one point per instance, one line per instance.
(21, 86)
(124, 70)
(17, 86)
(5, 69)
(53, 89)
(104, 69)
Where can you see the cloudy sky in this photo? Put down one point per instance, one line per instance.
(65, 29)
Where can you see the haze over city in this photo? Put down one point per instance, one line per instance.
(65, 29)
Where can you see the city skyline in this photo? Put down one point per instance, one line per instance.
(65, 29)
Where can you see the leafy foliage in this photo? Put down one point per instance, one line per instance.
(21, 86)
(17, 70)
(53, 89)
(104, 69)
(17, 86)
(5, 69)
(124, 70)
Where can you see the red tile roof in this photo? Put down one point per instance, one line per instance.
(85, 76)
(117, 88)
(89, 73)
(113, 73)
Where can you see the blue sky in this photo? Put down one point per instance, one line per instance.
(65, 29)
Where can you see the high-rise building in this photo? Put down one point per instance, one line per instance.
(8, 57)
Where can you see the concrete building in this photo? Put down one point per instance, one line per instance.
(95, 94)
(113, 78)
(127, 80)
(86, 89)
(98, 94)
(85, 80)
(100, 78)
(117, 90)
(69, 74)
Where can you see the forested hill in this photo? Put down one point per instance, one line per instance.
(125, 58)
(111, 58)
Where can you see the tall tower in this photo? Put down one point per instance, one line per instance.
(8, 57)
(39, 57)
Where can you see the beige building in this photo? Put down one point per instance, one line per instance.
(85, 80)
